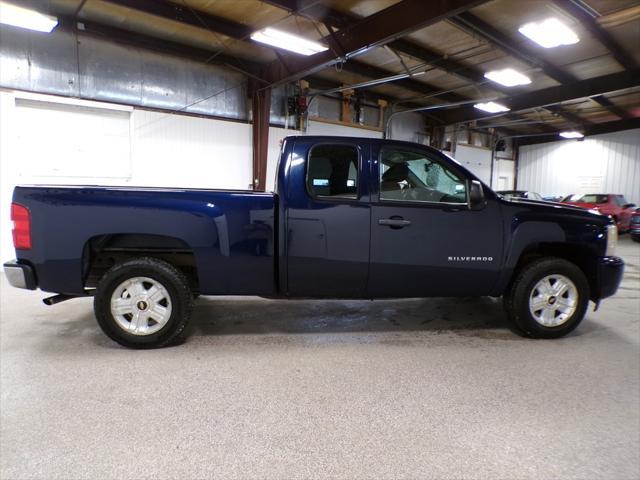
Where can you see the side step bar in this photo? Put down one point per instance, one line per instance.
(63, 297)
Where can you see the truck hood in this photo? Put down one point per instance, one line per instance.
(554, 208)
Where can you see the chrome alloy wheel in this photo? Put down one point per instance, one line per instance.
(553, 300)
(141, 306)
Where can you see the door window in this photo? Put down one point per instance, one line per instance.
(332, 171)
(414, 176)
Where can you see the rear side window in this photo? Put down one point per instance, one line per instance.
(593, 199)
(332, 171)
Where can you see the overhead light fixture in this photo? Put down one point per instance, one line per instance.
(287, 41)
(491, 107)
(26, 18)
(571, 134)
(508, 77)
(549, 33)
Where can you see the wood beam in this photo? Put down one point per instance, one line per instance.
(188, 15)
(551, 96)
(595, 129)
(581, 12)
(473, 24)
(376, 30)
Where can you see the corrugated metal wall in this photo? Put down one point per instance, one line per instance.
(603, 163)
(96, 69)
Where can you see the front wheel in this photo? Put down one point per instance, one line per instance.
(143, 303)
(548, 298)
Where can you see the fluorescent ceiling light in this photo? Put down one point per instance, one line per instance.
(508, 77)
(287, 41)
(571, 134)
(549, 33)
(25, 18)
(491, 107)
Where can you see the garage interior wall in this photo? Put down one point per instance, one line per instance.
(608, 163)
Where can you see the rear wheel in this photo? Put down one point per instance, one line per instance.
(548, 298)
(144, 303)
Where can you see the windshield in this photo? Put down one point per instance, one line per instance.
(591, 199)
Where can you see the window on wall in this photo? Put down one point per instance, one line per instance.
(414, 176)
(332, 171)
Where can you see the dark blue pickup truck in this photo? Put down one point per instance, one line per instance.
(350, 218)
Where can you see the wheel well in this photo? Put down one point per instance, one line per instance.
(102, 252)
(577, 254)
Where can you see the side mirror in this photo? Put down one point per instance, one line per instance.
(628, 205)
(476, 196)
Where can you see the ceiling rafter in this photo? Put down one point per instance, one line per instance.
(469, 22)
(595, 129)
(168, 10)
(183, 14)
(127, 37)
(552, 95)
(373, 31)
(581, 12)
(316, 11)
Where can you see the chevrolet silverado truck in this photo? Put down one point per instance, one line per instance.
(350, 218)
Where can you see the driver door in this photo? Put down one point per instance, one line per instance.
(425, 241)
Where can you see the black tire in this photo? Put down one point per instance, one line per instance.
(635, 238)
(516, 298)
(179, 295)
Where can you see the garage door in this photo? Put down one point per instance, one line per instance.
(70, 141)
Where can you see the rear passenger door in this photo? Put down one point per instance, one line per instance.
(328, 217)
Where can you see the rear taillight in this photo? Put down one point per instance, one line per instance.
(21, 226)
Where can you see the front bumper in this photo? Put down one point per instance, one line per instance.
(609, 276)
(20, 275)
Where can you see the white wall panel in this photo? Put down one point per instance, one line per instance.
(322, 128)
(409, 127)
(607, 163)
(181, 151)
(476, 159)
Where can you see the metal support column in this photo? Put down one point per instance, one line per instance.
(261, 106)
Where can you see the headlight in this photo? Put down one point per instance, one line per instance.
(612, 240)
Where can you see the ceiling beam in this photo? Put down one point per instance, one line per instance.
(313, 10)
(319, 12)
(373, 31)
(493, 36)
(118, 35)
(184, 14)
(552, 95)
(595, 129)
(415, 86)
(474, 25)
(584, 14)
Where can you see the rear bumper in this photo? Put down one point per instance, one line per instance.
(609, 276)
(20, 275)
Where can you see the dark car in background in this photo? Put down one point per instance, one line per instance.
(611, 204)
(521, 194)
(635, 225)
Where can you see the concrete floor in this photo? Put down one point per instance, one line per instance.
(434, 388)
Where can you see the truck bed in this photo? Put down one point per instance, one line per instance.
(229, 234)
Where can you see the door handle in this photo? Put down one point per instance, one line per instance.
(394, 222)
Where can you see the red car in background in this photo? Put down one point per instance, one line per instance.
(607, 204)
